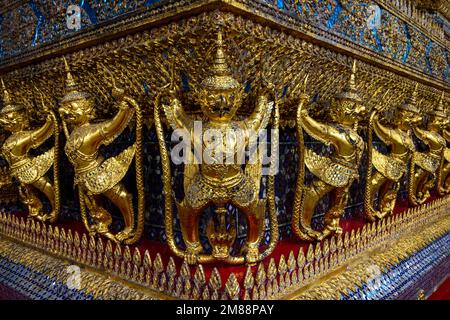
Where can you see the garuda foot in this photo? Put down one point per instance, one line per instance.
(124, 234)
(338, 230)
(191, 258)
(51, 217)
(327, 231)
(252, 255)
(307, 234)
(380, 215)
(193, 251)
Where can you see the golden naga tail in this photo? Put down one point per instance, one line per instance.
(168, 198)
(369, 211)
(167, 187)
(298, 208)
(274, 232)
(300, 184)
(440, 188)
(411, 180)
(56, 157)
(139, 162)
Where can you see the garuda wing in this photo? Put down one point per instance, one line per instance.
(426, 161)
(389, 167)
(328, 170)
(109, 173)
(35, 168)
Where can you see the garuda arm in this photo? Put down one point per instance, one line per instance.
(429, 138)
(319, 131)
(177, 117)
(39, 136)
(111, 129)
(384, 133)
(257, 121)
(261, 115)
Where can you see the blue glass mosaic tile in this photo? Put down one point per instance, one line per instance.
(35, 285)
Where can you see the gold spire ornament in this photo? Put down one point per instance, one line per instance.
(214, 182)
(332, 175)
(425, 166)
(98, 178)
(31, 172)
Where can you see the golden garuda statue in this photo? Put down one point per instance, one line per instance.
(31, 172)
(384, 171)
(332, 175)
(215, 182)
(98, 178)
(443, 184)
(424, 166)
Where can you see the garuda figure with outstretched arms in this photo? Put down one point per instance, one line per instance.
(98, 178)
(385, 171)
(424, 167)
(31, 172)
(332, 175)
(443, 184)
(212, 181)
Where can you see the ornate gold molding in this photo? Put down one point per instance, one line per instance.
(138, 59)
(324, 271)
(418, 15)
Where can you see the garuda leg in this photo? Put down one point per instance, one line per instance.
(388, 196)
(376, 182)
(189, 221)
(30, 198)
(254, 215)
(100, 217)
(339, 198)
(419, 192)
(447, 177)
(44, 185)
(445, 180)
(312, 195)
(123, 200)
(425, 184)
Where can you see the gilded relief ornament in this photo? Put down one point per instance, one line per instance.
(332, 175)
(385, 171)
(31, 171)
(98, 178)
(213, 181)
(425, 166)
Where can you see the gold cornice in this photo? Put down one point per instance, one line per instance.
(109, 31)
(339, 44)
(171, 13)
(389, 6)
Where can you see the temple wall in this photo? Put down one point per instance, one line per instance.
(396, 45)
